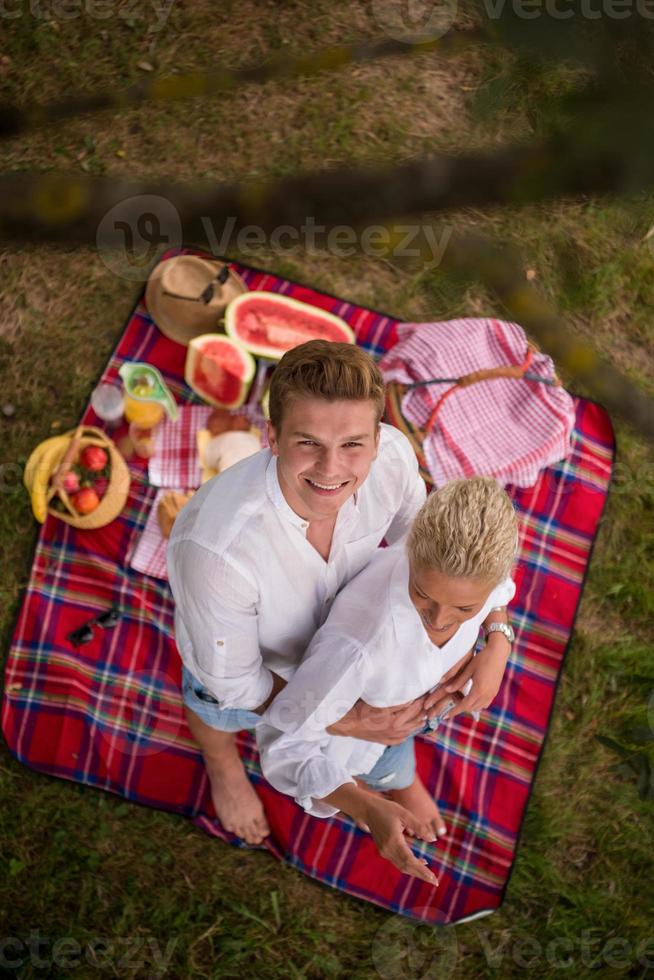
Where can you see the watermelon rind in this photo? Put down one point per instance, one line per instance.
(249, 367)
(275, 353)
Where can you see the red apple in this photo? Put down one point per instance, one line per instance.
(85, 500)
(93, 458)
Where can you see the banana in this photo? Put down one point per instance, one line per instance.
(35, 457)
(40, 472)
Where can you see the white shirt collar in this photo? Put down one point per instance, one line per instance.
(406, 620)
(278, 499)
(405, 615)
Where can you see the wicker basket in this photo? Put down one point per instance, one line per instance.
(115, 496)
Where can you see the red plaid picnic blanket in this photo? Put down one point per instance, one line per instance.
(110, 713)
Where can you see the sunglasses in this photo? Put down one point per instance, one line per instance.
(84, 634)
(207, 293)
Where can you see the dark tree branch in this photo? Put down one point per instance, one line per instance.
(15, 119)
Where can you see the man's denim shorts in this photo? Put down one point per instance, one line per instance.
(204, 705)
(395, 768)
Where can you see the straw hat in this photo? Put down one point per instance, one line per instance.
(186, 295)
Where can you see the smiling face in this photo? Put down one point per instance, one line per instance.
(324, 452)
(444, 602)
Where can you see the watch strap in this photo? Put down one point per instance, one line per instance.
(505, 628)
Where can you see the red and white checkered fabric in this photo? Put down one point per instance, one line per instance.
(176, 462)
(149, 556)
(506, 428)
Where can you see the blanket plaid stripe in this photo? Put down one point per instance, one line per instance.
(110, 713)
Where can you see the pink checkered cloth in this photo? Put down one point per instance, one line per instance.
(176, 462)
(502, 427)
(149, 555)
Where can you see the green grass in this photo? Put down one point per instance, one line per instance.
(83, 864)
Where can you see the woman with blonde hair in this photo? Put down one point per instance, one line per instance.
(406, 623)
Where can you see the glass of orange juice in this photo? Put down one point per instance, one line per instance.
(145, 414)
(146, 399)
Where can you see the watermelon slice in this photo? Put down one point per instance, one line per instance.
(219, 370)
(268, 324)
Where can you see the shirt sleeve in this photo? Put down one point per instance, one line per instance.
(503, 593)
(216, 625)
(296, 751)
(413, 493)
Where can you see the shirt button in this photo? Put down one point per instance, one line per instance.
(220, 643)
(304, 525)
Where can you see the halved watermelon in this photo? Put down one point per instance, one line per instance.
(268, 324)
(219, 370)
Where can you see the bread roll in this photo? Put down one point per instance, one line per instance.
(169, 507)
(224, 450)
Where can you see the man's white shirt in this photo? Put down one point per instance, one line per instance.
(250, 590)
(374, 647)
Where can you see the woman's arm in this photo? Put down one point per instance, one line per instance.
(387, 822)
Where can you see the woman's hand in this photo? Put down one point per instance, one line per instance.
(387, 822)
(486, 670)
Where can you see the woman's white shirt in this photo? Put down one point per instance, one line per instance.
(373, 646)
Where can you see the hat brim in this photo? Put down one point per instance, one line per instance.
(182, 320)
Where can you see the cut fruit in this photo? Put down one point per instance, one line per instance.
(268, 324)
(219, 370)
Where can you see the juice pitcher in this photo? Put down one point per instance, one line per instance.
(147, 396)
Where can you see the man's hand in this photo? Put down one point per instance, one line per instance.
(278, 685)
(486, 671)
(389, 726)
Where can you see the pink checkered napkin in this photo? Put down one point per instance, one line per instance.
(150, 553)
(503, 428)
(175, 462)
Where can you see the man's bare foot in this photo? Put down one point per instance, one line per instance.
(235, 801)
(236, 804)
(416, 799)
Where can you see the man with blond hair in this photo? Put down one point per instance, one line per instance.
(411, 617)
(257, 557)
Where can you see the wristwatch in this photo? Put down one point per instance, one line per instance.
(505, 628)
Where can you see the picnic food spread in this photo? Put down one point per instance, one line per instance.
(82, 477)
(231, 339)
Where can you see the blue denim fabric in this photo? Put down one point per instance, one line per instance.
(204, 705)
(395, 769)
